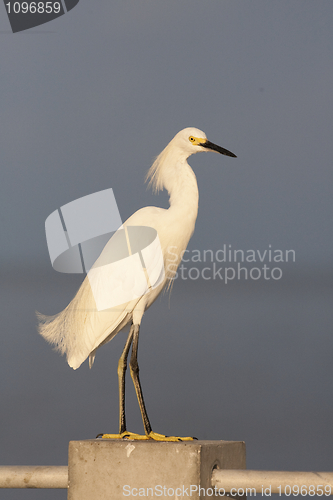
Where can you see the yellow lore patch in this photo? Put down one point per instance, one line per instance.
(196, 140)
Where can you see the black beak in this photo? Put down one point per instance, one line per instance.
(218, 149)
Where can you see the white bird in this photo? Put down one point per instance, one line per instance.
(80, 329)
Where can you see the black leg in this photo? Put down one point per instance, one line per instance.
(134, 368)
(122, 367)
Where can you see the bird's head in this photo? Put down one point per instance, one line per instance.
(193, 140)
(186, 143)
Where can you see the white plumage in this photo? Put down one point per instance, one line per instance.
(80, 329)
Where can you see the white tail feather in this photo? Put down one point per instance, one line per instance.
(71, 331)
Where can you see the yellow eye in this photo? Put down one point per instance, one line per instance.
(191, 139)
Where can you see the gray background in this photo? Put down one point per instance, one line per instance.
(87, 101)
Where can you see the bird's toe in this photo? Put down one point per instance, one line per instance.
(161, 437)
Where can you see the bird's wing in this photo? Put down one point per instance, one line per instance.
(85, 325)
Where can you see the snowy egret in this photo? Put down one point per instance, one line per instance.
(80, 329)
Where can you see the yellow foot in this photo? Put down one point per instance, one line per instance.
(138, 437)
(161, 437)
(124, 435)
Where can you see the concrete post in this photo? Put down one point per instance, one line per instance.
(110, 469)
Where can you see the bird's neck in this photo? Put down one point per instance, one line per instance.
(181, 183)
(177, 177)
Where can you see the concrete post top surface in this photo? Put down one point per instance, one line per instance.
(151, 442)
